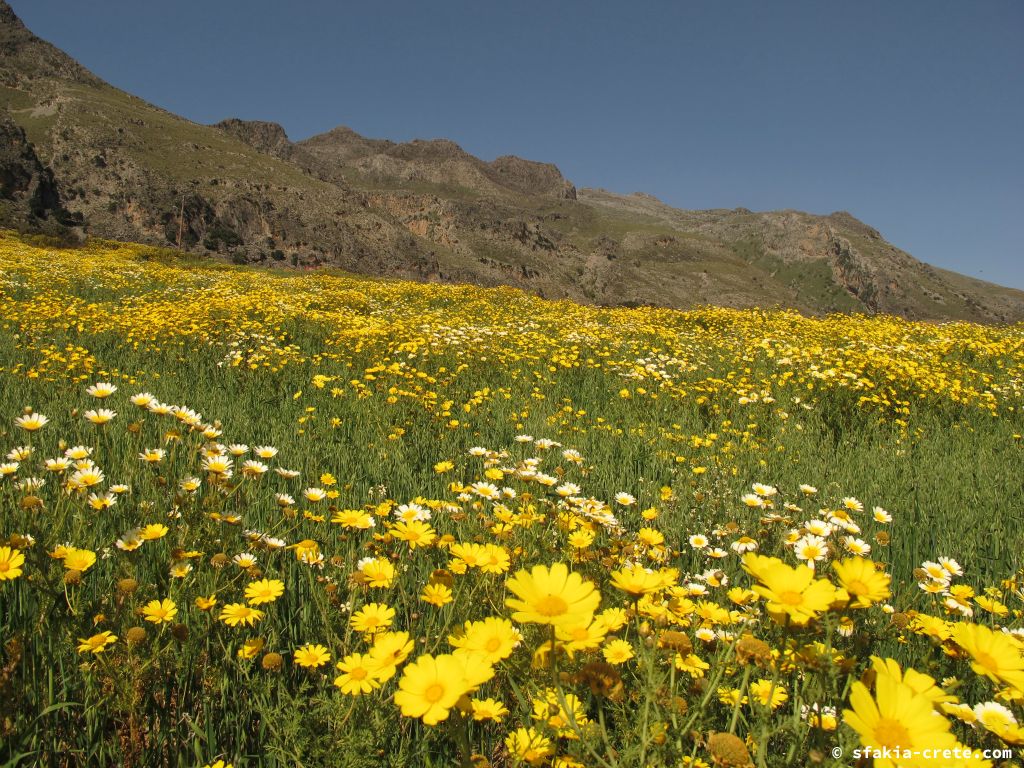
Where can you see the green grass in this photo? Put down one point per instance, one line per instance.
(947, 472)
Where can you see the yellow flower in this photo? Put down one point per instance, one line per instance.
(617, 651)
(898, 719)
(153, 531)
(527, 745)
(487, 709)
(389, 649)
(160, 611)
(353, 518)
(918, 682)
(234, 614)
(307, 551)
(206, 603)
(766, 693)
(416, 532)
(792, 593)
(97, 643)
(992, 606)
(692, 664)
(264, 591)
(730, 696)
(931, 626)
(377, 572)
(371, 618)
(741, 596)
(11, 561)
(493, 638)
(863, 581)
(581, 637)
(359, 675)
(79, 559)
(552, 596)
(251, 648)
(559, 710)
(651, 537)
(311, 656)
(581, 539)
(637, 580)
(436, 594)
(470, 555)
(613, 618)
(493, 559)
(431, 685)
(994, 655)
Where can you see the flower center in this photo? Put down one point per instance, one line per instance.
(358, 673)
(986, 661)
(857, 587)
(493, 644)
(891, 733)
(552, 605)
(434, 692)
(994, 720)
(789, 597)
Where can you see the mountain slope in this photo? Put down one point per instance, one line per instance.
(430, 210)
(137, 172)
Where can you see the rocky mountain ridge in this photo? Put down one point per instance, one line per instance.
(425, 209)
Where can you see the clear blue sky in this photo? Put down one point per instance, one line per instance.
(908, 114)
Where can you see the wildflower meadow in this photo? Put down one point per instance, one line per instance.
(272, 518)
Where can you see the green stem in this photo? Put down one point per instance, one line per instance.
(736, 707)
(462, 734)
(554, 661)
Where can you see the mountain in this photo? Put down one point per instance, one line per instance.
(136, 172)
(85, 156)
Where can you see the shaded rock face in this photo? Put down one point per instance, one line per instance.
(23, 179)
(28, 192)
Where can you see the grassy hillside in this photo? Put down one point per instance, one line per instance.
(275, 519)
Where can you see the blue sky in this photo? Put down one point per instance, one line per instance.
(910, 115)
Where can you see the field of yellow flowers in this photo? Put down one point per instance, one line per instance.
(260, 518)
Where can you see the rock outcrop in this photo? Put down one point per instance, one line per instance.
(28, 193)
